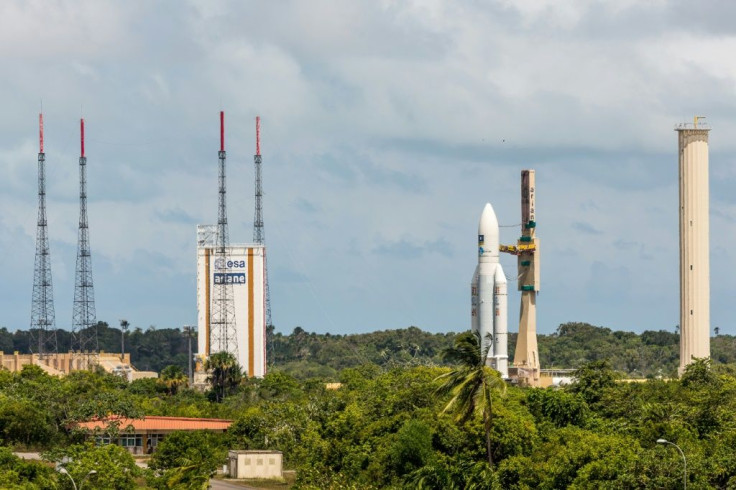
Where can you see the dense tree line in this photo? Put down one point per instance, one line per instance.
(649, 354)
(307, 355)
(389, 427)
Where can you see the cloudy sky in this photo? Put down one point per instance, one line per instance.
(386, 127)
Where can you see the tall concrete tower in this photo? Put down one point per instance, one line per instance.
(526, 357)
(694, 243)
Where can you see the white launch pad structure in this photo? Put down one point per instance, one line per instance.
(242, 266)
(694, 243)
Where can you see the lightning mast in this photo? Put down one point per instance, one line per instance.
(223, 333)
(259, 234)
(84, 323)
(43, 331)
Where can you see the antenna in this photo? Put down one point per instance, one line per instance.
(40, 132)
(223, 336)
(81, 139)
(222, 131)
(84, 322)
(259, 234)
(258, 135)
(43, 330)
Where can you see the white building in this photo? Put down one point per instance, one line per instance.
(256, 464)
(243, 267)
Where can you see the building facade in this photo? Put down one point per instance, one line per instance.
(141, 436)
(243, 267)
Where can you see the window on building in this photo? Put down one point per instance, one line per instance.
(131, 440)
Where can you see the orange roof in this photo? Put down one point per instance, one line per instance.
(152, 422)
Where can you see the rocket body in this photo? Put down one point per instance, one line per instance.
(488, 289)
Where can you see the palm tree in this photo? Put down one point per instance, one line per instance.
(224, 372)
(472, 383)
(173, 378)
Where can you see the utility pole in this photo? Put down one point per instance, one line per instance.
(123, 330)
(189, 330)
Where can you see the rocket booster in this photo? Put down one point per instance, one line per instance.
(488, 295)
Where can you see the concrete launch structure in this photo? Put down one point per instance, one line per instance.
(488, 295)
(243, 267)
(694, 243)
(526, 356)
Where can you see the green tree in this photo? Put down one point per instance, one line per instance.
(413, 447)
(557, 406)
(472, 384)
(187, 460)
(592, 379)
(29, 475)
(699, 373)
(25, 422)
(107, 467)
(173, 378)
(225, 374)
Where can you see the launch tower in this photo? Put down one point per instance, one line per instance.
(43, 331)
(84, 323)
(526, 357)
(694, 242)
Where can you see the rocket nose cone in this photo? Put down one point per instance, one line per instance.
(488, 221)
(488, 235)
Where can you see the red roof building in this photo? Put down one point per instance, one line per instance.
(141, 436)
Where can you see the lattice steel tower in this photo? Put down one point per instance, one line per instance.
(259, 234)
(84, 323)
(223, 335)
(43, 325)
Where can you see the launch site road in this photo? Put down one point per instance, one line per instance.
(226, 485)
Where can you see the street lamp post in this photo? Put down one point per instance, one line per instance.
(124, 324)
(63, 470)
(684, 460)
(189, 329)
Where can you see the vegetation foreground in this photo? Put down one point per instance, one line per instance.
(412, 426)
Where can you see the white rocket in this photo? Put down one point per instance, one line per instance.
(488, 295)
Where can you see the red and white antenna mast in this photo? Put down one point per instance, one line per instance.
(258, 135)
(84, 317)
(259, 235)
(40, 133)
(43, 317)
(81, 139)
(223, 333)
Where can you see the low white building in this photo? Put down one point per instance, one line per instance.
(246, 464)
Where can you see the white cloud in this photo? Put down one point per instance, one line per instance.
(386, 126)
